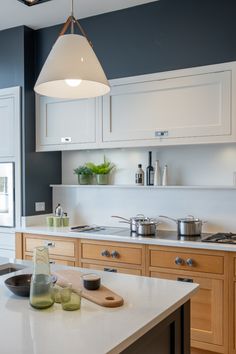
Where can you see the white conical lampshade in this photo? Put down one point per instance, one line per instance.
(72, 70)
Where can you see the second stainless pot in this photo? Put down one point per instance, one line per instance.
(188, 226)
(146, 228)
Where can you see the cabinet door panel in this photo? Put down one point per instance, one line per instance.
(206, 308)
(63, 122)
(9, 120)
(190, 106)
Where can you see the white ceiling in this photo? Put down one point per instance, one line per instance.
(14, 13)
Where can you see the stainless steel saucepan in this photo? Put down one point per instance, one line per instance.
(140, 224)
(146, 228)
(132, 221)
(189, 226)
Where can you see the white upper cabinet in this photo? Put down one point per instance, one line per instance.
(66, 124)
(177, 107)
(189, 106)
(9, 121)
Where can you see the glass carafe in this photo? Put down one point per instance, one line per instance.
(41, 287)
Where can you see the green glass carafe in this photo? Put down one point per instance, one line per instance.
(41, 286)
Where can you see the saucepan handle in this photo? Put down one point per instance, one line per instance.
(119, 217)
(167, 217)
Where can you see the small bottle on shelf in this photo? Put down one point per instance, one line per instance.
(139, 176)
(157, 174)
(165, 176)
(150, 171)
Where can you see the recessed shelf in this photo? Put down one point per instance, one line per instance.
(127, 186)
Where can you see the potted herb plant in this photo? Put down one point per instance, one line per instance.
(85, 175)
(101, 171)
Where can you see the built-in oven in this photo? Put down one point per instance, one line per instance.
(7, 208)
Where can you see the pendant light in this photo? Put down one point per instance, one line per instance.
(72, 69)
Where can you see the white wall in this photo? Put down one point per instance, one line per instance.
(188, 165)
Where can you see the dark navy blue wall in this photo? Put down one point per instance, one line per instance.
(39, 169)
(159, 36)
(12, 57)
(17, 68)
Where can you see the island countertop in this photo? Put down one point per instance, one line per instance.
(93, 329)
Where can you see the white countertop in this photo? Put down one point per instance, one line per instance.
(160, 239)
(93, 329)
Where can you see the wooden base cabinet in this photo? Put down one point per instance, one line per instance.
(209, 306)
(213, 307)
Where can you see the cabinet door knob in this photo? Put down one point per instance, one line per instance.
(179, 261)
(105, 253)
(115, 254)
(189, 262)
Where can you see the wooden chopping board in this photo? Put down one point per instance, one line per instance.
(103, 296)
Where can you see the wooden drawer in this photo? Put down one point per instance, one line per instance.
(54, 261)
(103, 251)
(200, 262)
(57, 247)
(112, 269)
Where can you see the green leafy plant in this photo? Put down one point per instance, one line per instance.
(102, 169)
(83, 170)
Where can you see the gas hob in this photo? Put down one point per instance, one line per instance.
(221, 237)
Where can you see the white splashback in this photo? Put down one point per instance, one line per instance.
(188, 165)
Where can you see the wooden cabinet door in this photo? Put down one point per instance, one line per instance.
(66, 124)
(9, 121)
(207, 308)
(194, 105)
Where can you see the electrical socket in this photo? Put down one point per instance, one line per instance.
(40, 206)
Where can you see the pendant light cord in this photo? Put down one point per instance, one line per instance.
(72, 15)
(70, 22)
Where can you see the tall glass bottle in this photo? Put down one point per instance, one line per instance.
(41, 287)
(149, 171)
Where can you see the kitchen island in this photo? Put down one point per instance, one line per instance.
(153, 319)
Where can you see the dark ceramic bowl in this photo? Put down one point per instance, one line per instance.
(20, 284)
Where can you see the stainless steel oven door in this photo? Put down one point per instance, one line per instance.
(7, 208)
